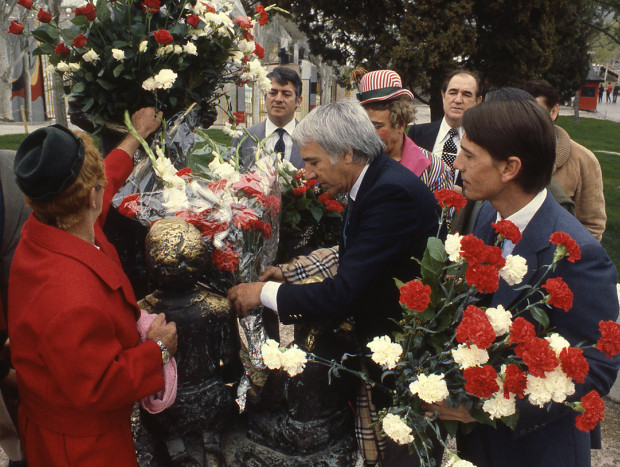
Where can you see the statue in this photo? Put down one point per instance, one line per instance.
(207, 357)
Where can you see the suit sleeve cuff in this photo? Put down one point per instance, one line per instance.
(269, 295)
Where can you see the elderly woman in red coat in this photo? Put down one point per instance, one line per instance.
(80, 364)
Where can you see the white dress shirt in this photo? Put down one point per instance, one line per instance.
(269, 293)
(523, 217)
(272, 135)
(442, 137)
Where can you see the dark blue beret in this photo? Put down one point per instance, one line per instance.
(47, 161)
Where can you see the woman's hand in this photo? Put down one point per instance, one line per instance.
(167, 333)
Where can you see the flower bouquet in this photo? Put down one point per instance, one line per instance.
(311, 217)
(120, 55)
(452, 349)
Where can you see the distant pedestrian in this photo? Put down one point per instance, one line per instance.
(608, 91)
(601, 90)
(616, 91)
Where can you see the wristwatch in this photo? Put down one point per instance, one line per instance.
(165, 353)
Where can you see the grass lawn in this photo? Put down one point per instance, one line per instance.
(603, 135)
(596, 135)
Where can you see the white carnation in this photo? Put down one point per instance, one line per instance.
(232, 132)
(385, 352)
(177, 49)
(264, 84)
(143, 46)
(162, 80)
(557, 342)
(500, 319)
(431, 388)
(190, 49)
(222, 170)
(514, 270)
(293, 360)
(396, 429)
(74, 66)
(90, 56)
(118, 54)
(456, 462)
(554, 386)
(271, 354)
(467, 357)
(453, 247)
(175, 200)
(149, 84)
(498, 406)
(63, 67)
(247, 47)
(50, 68)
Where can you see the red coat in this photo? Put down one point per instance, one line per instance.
(80, 365)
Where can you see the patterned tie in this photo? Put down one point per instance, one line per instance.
(449, 148)
(347, 217)
(280, 147)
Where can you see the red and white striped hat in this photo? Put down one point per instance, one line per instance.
(381, 85)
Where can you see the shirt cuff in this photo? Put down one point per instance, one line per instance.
(269, 295)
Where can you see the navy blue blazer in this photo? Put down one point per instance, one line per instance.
(390, 221)
(425, 134)
(247, 151)
(550, 438)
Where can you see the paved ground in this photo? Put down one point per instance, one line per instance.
(609, 455)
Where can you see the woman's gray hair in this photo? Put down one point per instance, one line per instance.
(339, 128)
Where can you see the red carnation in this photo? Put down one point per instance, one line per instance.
(325, 196)
(260, 9)
(151, 6)
(450, 199)
(506, 229)
(237, 118)
(560, 295)
(415, 295)
(565, 246)
(130, 206)
(574, 364)
(243, 22)
(243, 218)
(62, 49)
(217, 185)
(515, 381)
(226, 259)
(185, 173)
(87, 10)
(193, 20)
(522, 331)
(270, 203)
(333, 205)
(43, 16)
(482, 276)
(79, 41)
(475, 328)
(210, 8)
(300, 190)
(593, 411)
(247, 35)
(609, 343)
(259, 51)
(27, 4)
(163, 37)
(16, 28)
(481, 381)
(538, 356)
(263, 227)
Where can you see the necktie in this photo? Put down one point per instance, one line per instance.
(280, 147)
(449, 148)
(347, 217)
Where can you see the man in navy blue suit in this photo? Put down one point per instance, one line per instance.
(391, 214)
(507, 155)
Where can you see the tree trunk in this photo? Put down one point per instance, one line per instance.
(436, 101)
(27, 78)
(576, 107)
(5, 79)
(58, 95)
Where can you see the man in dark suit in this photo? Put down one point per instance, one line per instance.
(507, 156)
(460, 91)
(281, 103)
(389, 218)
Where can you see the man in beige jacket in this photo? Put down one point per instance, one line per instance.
(576, 168)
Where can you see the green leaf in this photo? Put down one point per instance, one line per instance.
(42, 36)
(451, 426)
(89, 76)
(436, 249)
(43, 49)
(105, 85)
(79, 20)
(398, 282)
(78, 87)
(88, 103)
(118, 70)
(317, 212)
(540, 316)
(511, 421)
